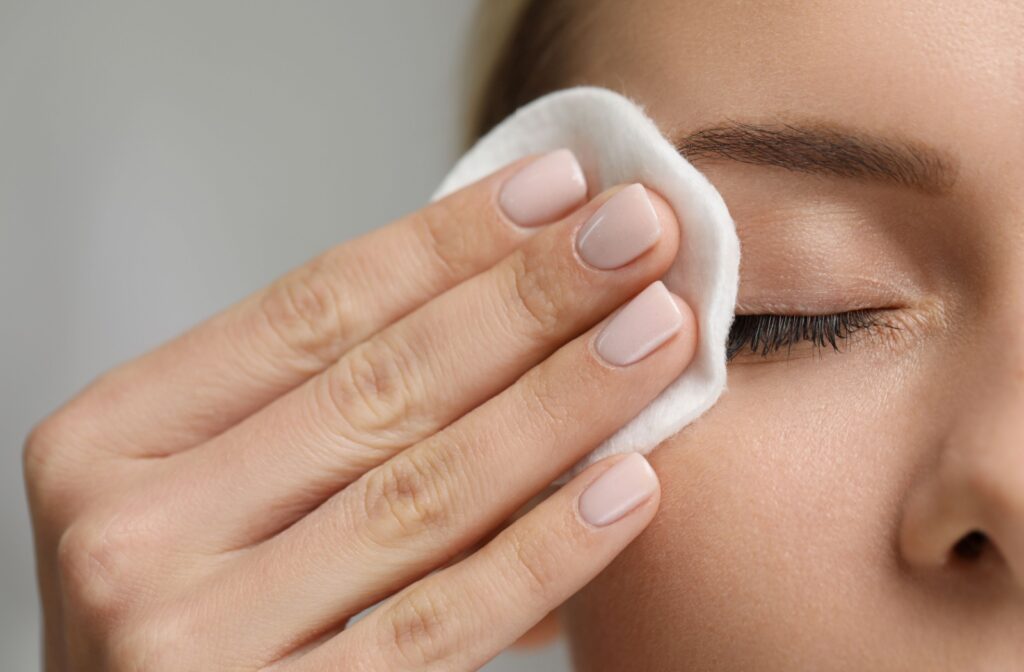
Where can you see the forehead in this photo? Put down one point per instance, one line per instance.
(951, 72)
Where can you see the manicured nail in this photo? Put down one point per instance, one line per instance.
(544, 190)
(620, 231)
(621, 488)
(650, 319)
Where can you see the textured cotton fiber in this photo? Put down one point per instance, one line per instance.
(616, 143)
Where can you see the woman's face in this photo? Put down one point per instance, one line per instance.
(872, 155)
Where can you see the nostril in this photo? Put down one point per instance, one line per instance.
(971, 545)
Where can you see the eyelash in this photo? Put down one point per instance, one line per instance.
(770, 333)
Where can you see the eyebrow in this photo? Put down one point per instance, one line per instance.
(824, 149)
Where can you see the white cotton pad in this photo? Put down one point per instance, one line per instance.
(616, 143)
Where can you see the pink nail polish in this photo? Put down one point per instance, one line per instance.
(621, 488)
(621, 230)
(544, 190)
(650, 319)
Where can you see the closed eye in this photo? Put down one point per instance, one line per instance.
(769, 333)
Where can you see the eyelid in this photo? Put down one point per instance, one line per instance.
(824, 294)
(811, 308)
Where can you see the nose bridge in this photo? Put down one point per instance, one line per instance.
(987, 439)
(996, 354)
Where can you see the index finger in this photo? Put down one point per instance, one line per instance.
(227, 368)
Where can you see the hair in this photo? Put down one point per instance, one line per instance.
(519, 54)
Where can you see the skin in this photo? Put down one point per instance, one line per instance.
(807, 521)
(307, 467)
(231, 500)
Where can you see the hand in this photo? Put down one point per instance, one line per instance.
(232, 499)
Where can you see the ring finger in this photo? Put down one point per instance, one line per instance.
(227, 368)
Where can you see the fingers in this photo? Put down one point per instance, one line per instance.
(227, 368)
(459, 618)
(430, 368)
(412, 513)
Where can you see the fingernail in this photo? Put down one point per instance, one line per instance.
(621, 488)
(650, 319)
(544, 190)
(620, 231)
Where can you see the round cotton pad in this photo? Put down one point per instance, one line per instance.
(616, 143)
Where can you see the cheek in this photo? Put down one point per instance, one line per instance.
(775, 540)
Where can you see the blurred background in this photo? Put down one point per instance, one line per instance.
(161, 160)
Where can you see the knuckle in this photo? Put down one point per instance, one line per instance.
(307, 314)
(532, 288)
(451, 245)
(56, 463)
(544, 398)
(156, 642)
(406, 498)
(42, 451)
(97, 560)
(372, 388)
(534, 560)
(422, 628)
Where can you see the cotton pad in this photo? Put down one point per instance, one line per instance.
(616, 143)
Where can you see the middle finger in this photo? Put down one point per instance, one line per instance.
(426, 370)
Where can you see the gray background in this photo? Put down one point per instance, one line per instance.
(159, 161)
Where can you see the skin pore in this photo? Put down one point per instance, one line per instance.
(811, 519)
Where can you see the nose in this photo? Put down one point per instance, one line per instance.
(968, 508)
